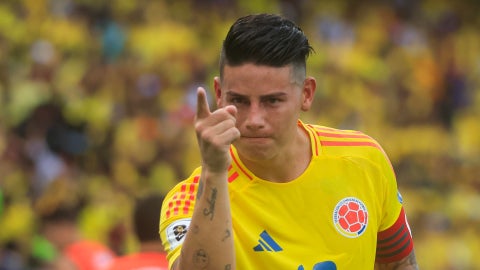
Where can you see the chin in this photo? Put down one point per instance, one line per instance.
(254, 152)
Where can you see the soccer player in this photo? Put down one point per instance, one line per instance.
(272, 191)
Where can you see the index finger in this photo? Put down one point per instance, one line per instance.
(203, 109)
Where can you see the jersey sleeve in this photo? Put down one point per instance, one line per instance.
(392, 200)
(176, 214)
(394, 243)
(394, 239)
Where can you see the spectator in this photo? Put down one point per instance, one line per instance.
(58, 211)
(150, 254)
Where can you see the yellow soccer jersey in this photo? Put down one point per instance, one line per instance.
(328, 218)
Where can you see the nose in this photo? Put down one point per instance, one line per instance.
(255, 118)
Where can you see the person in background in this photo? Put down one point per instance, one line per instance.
(59, 209)
(151, 254)
(272, 191)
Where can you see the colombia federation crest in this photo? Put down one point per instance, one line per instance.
(350, 217)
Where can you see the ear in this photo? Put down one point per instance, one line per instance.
(218, 91)
(308, 92)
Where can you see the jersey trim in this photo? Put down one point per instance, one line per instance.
(233, 176)
(239, 165)
(396, 242)
(175, 207)
(346, 138)
(315, 142)
(343, 143)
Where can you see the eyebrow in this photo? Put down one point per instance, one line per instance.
(274, 94)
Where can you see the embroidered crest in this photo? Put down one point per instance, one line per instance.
(350, 217)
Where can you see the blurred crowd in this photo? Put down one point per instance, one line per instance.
(100, 96)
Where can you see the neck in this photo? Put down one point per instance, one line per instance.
(297, 156)
(67, 237)
(151, 246)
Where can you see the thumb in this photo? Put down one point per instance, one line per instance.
(203, 109)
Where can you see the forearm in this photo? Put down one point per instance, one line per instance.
(408, 263)
(209, 241)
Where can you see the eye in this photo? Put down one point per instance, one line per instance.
(271, 100)
(238, 101)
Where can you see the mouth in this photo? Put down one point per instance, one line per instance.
(261, 136)
(255, 139)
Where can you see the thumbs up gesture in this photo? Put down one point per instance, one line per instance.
(215, 132)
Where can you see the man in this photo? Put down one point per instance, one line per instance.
(58, 209)
(274, 192)
(151, 254)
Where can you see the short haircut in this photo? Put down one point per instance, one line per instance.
(266, 39)
(146, 217)
(60, 202)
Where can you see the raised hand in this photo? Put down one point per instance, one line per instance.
(215, 132)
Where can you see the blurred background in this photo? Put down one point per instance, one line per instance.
(97, 99)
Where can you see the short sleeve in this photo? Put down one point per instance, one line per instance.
(176, 214)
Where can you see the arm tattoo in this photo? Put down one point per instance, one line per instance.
(408, 263)
(200, 259)
(211, 210)
(195, 229)
(227, 235)
(411, 261)
(200, 189)
(228, 267)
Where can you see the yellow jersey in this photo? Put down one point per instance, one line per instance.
(328, 218)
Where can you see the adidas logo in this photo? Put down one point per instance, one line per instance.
(266, 243)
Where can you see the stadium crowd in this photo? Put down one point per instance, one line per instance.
(100, 96)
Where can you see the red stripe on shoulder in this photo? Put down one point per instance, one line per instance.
(315, 138)
(337, 137)
(239, 165)
(351, 143)
(354, 134)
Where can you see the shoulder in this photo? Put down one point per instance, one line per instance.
(89, 253)
(119, 263)
(329, 134)
(140, 260)
(87, 246)
(186, 185)
(180, 200)
(341, 142)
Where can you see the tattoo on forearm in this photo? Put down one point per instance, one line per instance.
(210, 211)
(412, 260)
(228, 267)
(200, 259)
(200, 189)
(409, 262)
(195, 229)
(227, 235)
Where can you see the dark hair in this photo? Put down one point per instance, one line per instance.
(60, 202)
(265, 39)
(146, 217)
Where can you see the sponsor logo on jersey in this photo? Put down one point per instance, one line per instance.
(350, 217)
(176, 232)
(266, 243)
